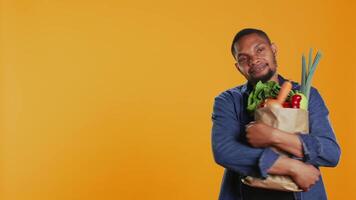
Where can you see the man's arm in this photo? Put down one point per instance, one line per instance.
(262, 135)
(319, 147)
(304, 175)
(228, 150)
(246, 160)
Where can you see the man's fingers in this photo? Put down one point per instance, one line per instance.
(249, 124)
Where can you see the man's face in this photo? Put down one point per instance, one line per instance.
(256, 58)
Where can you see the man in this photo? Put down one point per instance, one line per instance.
(244, 147)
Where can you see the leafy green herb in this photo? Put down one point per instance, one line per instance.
(263, 91)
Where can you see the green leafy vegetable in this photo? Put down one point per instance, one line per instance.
(263, 91)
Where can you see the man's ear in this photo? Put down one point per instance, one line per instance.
(274, 49)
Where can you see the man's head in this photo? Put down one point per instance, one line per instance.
(255, 55)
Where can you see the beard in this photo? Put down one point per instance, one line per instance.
(264, 78)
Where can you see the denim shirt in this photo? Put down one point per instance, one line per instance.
(231, 150)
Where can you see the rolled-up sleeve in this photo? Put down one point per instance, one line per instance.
(228, 150)
(320, 146)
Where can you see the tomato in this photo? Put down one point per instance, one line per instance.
(296, 97)
(295, 101)
(286, 104)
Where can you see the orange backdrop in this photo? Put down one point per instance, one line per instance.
(113, 99)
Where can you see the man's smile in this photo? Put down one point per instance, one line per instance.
(258, 69)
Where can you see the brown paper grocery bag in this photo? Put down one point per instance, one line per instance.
(287, 119)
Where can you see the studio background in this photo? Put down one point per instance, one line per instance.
(113, 99)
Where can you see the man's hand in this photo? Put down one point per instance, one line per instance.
(303, 174)
(259, 134)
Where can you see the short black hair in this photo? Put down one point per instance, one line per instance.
(247, 31)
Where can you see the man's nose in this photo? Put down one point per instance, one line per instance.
(254, 60)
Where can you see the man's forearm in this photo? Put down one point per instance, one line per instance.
(304, 175)
(282, 166)
(287, 142)
(261, 135)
